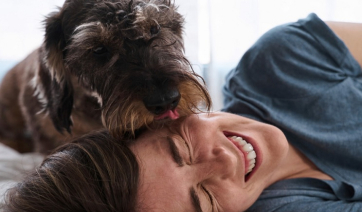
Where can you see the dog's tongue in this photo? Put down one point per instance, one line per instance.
(172, 114)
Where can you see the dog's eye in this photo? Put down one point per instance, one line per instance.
(100, 50)
(121, 15)
(155, 29)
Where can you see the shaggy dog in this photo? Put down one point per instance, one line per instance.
(117, 64)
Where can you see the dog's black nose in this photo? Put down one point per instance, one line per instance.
(159, 102)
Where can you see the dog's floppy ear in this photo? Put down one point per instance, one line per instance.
(54, 44)
(60, 105)
(60, 95)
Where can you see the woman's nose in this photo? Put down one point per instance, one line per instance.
(222, 162)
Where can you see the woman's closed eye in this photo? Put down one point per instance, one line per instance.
(189, 161)
(209, 198)
(180, 151)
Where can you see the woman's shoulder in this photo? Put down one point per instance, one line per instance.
(307, 194)
(293, 60)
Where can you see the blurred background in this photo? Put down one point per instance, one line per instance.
(217, 33)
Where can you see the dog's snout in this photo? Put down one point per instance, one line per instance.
(161, 101)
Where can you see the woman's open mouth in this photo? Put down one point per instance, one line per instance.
(248, 151)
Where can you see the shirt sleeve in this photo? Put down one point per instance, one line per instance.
(289, 62)
(301, 78)
(308, 194)
(308, 204)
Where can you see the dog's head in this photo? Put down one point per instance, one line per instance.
(128, 54)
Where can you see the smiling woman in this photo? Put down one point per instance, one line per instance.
(293, 142)
(205, 158)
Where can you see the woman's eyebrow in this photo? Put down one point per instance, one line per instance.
(175, 153)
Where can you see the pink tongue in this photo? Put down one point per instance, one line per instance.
(172, 114)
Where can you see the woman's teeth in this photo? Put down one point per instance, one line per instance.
(251, 155)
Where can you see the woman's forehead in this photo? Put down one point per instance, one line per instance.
(159, 173)
(161, 131)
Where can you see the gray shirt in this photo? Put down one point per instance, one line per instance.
(301, 78)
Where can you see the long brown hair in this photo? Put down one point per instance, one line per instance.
(95, 173)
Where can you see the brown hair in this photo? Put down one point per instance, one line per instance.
(93, 173)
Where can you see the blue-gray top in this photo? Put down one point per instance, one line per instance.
(302, 78)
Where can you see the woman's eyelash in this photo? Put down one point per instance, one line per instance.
(189, 150)
(210, 196)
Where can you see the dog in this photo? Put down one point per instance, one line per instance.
(114, 64)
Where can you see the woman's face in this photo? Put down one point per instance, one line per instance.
(203, 163)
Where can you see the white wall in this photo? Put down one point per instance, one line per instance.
(237, 24)
(21, 28)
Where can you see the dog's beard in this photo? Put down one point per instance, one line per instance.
(130, 114)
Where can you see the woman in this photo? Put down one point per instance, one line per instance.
(299, 77)
(298, 150)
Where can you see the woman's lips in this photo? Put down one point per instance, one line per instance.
(247, 146)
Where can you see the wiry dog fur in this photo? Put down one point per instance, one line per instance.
(103, 63)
